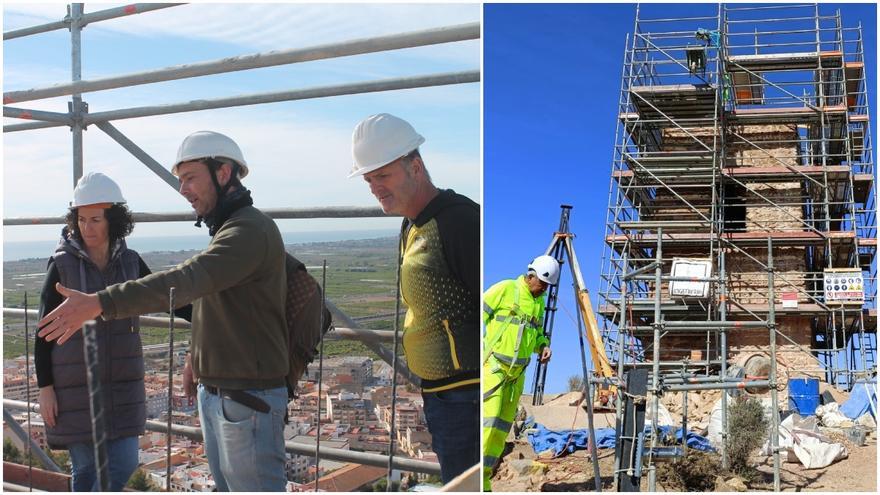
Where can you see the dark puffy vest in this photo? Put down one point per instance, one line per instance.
(120, 357)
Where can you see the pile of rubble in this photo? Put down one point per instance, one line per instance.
(809, 443)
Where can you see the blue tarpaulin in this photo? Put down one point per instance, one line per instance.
(863, 395)
(543, 439)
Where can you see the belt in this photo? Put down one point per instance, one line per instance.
(243, 398)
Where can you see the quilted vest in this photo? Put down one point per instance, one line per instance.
(120, 356)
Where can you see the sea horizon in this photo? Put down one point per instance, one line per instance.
(22, 250)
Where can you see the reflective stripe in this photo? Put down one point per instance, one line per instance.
(509, 361)
(516, 321)
(488, 394)
(497, 423)
(489, 461)
(488, 309)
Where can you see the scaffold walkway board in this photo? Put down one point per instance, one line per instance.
(796, 238)
(674, 101)
(682, 174)
(786, 115)
(783, 61)
(682, 308)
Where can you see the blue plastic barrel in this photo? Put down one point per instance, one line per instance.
(803, 395)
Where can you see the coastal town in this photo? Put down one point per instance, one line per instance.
(355, 414)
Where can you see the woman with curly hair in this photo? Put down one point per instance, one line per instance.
(90, 256)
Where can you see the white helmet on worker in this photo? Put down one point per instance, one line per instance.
(379, 140)
(209, 144)
(546, 268)
(95, 188)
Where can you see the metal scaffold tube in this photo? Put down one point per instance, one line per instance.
(722, 303)
(655, 375)
(76, 107)
(392, 84)
(462, 32)
(774, 399)
(101, 15)
(333, 454)
(96, 405)
(190, 216)
(320, 375)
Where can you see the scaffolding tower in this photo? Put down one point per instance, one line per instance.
(741, 209)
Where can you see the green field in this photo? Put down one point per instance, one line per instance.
(360, 276)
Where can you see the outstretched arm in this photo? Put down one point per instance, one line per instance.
(65, 320)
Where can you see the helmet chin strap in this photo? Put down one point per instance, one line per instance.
(221, 190)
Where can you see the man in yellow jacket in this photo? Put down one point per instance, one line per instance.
(513, 313)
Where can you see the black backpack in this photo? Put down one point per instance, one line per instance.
(304, 307)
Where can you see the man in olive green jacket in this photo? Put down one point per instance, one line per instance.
(239, 336)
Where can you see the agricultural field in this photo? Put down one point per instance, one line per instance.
(360, 280)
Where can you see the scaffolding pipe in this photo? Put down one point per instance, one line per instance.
(101, 15)
(382, 352)
(619, 400)
(670, 278)
(140, 154)
(333, 454)
(722, 302)
(170, 409)
(636, 273)
(22, 435)
(755, 384)
(320, 375)
(771, 317)
(356, 333)
(12, 487)
(676, 364)
(29, 114)
(391, 84)
(448, 34)
(655, 388)
(27, 373)
(76, 107)
(96, 405)
(706, 325)
(190, 216)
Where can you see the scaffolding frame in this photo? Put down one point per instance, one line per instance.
(78, 119)
(686, 169)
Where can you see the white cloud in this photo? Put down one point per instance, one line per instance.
(261, 26)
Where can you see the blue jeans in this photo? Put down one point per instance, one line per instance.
(245, 448)
(122, 460)
(454, 423)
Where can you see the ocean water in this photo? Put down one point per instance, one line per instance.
(13, 251)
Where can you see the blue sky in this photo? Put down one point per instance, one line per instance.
(552, 77)
(299, 151)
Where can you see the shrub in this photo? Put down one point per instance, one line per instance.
(747, 429)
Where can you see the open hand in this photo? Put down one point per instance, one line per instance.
(69, 316)
(48, 405)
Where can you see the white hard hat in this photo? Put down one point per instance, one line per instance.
(546, 268)
(209, 144)
(94, 188)
(379, 140)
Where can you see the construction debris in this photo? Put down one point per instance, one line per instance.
(830, 416)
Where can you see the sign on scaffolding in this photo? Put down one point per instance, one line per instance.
(697, 268)
(844, 285)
